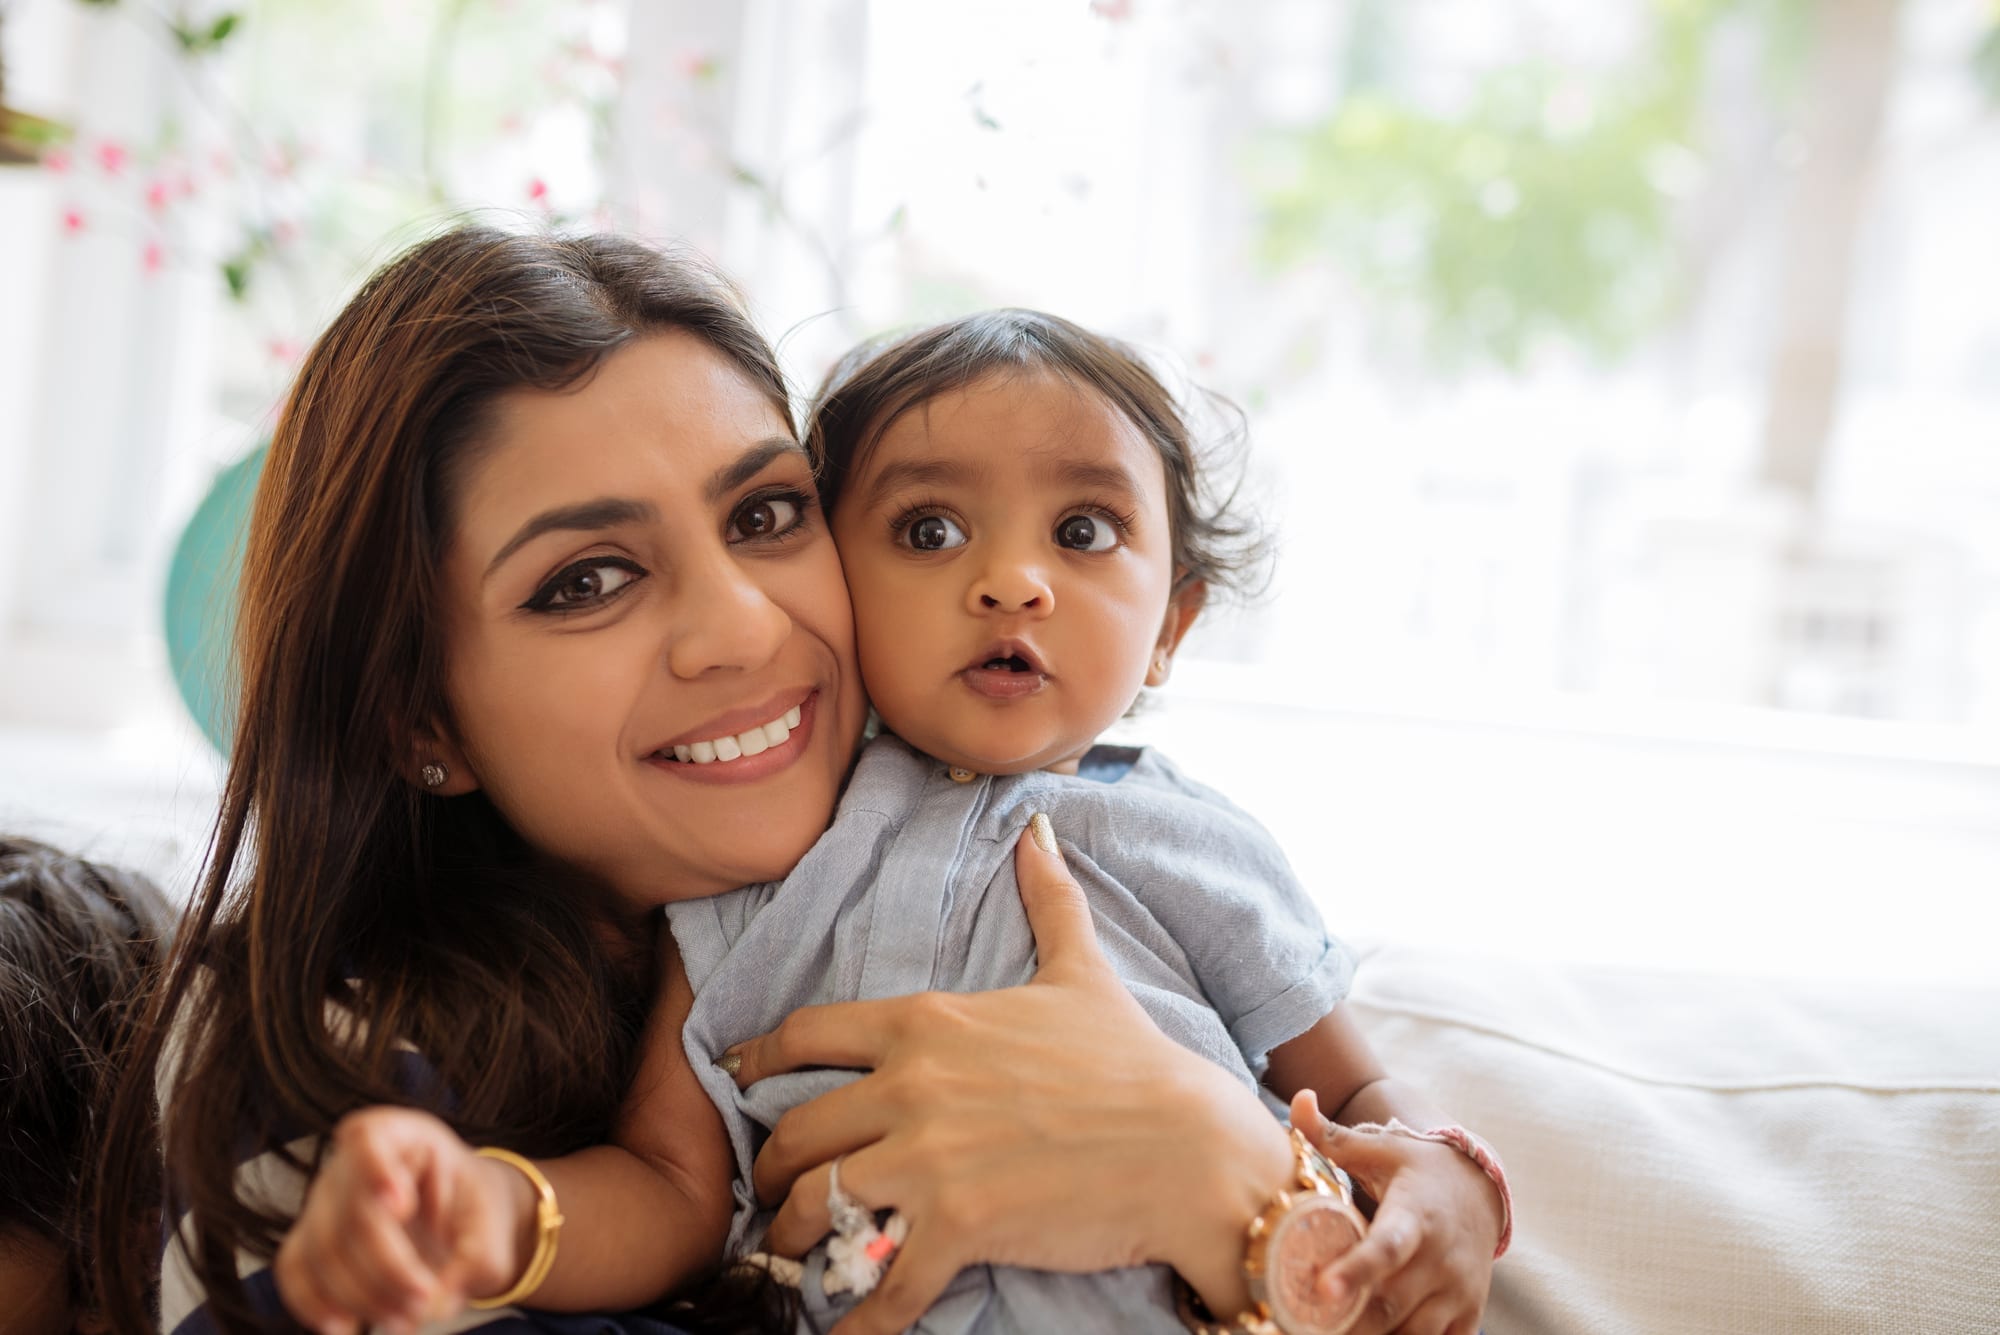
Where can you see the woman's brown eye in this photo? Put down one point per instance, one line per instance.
(769, 517)
(582, 587)
(585, 585)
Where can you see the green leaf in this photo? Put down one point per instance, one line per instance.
(1986, 63)
(219, 32)
(236, 273)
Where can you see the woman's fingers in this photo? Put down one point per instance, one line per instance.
(802, 1218)
(1058, 912)
(838, 1122)
(842, 1033)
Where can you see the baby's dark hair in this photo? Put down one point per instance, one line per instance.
(878, 381)
(79, 944)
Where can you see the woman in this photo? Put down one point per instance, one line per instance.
(489, 583)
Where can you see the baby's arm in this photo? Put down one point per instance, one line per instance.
(404, 1221)
(1434, 1236)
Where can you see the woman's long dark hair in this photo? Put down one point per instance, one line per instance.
(330, 878)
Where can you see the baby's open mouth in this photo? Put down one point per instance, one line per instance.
(1011, 663)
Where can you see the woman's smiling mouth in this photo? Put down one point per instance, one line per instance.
(749, 753)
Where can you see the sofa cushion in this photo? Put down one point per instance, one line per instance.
(1703, 1155)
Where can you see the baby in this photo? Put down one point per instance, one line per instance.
(1027, 538)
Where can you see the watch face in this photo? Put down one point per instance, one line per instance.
(1313, 1234)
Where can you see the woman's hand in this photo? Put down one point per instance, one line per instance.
(1049, 1125)
(402, 1224)
(1429, 1251)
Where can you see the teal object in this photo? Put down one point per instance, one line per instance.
(201, 597)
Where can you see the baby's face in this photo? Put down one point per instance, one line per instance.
(1008, 556)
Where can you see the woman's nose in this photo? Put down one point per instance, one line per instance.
(1011, 582)
(724, 620)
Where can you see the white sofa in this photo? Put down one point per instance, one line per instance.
(1711, 1156)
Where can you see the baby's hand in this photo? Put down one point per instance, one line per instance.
(402, 1224)
(1428, 1255)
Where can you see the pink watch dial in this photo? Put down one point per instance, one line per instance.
(1314, 1233)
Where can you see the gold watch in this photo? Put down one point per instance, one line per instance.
(1307, 1226)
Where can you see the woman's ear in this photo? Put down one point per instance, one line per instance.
(437, 765)
(1183, 607)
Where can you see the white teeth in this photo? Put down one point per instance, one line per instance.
(750, 742)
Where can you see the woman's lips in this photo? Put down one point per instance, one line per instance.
(745, 768)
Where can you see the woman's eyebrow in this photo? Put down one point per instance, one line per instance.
(753, 461)
(586, 516)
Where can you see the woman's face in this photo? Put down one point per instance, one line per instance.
(650, 653)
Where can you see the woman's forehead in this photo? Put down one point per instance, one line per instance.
(662, 414)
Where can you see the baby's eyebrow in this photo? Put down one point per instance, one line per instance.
(1088, 476)
(919, 473)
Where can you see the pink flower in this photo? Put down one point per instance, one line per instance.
(58, 160)
(154, 257)
(72, 221)
(538, 190)
(1117, 11)
(158, 195)
(111, 156)
(284, 350)
(284, 232)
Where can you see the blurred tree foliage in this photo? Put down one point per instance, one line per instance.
(1986, 60)
(1540, 211)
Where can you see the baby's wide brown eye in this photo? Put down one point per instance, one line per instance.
(1083, 533)
(933, 533)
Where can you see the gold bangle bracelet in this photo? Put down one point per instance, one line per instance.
(548, 1227)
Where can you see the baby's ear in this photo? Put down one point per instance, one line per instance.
(1183, 607)
(436, 764)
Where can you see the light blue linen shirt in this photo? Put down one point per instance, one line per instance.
(912, 889)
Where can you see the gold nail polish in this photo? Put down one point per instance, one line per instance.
(1043, 831)
(729, 1063)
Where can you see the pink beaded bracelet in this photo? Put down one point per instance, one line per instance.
(1473, 1148)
